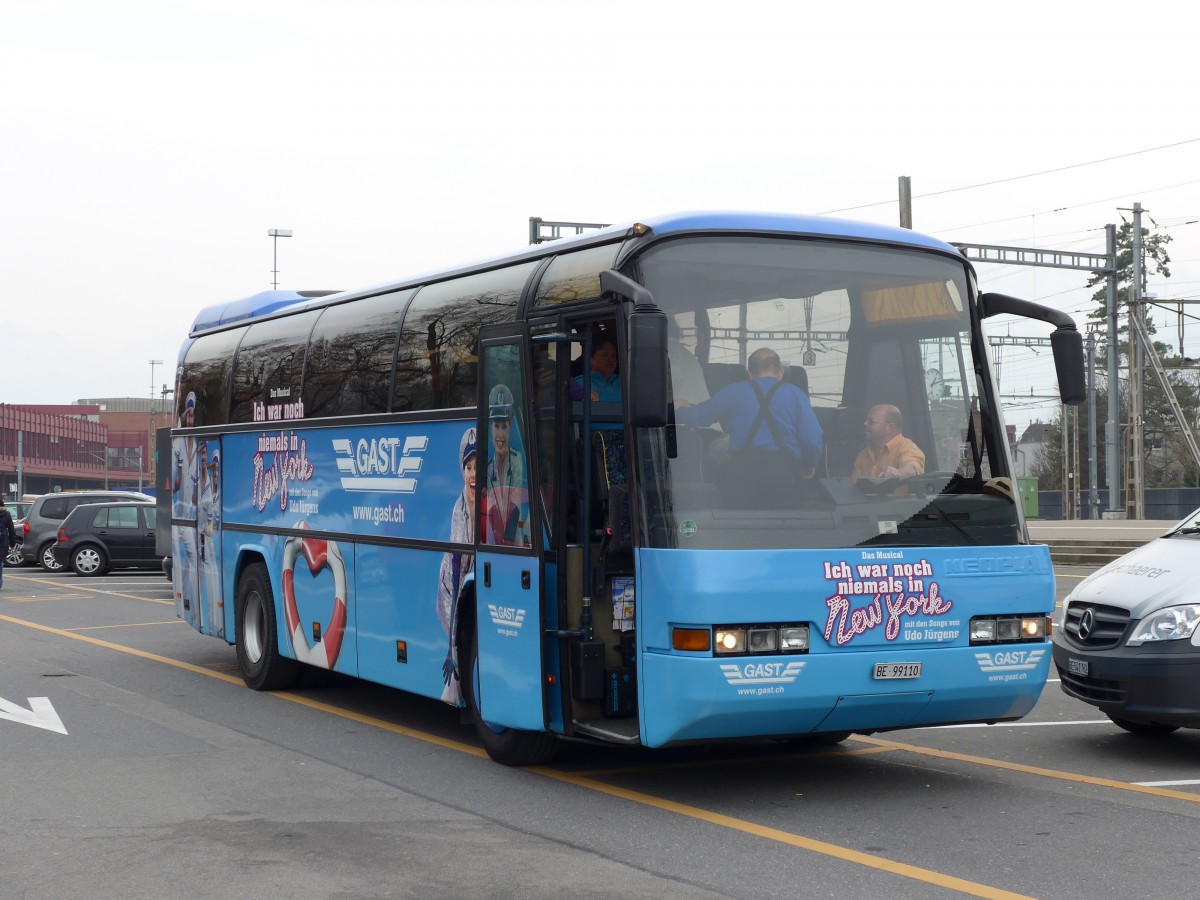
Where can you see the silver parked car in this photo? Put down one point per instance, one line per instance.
(18, 509)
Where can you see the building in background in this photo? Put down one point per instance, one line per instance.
(93, 443)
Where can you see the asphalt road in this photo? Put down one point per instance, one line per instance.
(168, 777)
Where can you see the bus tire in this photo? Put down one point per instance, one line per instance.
(1144, 729)
(507, 746)
(262, 666)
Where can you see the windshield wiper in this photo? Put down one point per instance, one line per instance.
(949, 521)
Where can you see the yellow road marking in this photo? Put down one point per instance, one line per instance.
(79, 587)
(1031, 770)
(928, 876)
(121, 648)
(731, 761)
(586, 781)
(232, 679)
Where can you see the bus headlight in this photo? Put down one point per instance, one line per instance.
(762, 640)
(730, 640)
(793, 637)
(983, 631)
(1009, 629)
(1175, 623)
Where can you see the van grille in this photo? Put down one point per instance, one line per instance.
(1104, 625)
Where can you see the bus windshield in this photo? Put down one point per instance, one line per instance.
(872, 335)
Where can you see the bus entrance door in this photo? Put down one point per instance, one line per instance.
(507, 675)
(508, 629)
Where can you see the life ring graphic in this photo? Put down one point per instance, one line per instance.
(319, 554)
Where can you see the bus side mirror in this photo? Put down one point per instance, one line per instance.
(1067, 346)
(645, 380)
(1066, 342)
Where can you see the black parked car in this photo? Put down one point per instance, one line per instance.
(40, 524)
(97, 537)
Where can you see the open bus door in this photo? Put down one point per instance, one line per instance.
(506, 670)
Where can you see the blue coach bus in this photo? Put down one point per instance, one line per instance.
(425, 485)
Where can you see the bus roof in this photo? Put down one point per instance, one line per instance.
(268, 302)
(251, 307)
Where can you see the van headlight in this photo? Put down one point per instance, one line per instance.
(1175, 623)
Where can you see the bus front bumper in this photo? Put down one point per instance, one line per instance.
(686, 698)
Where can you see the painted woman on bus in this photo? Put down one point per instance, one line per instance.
(184, 497)
(456, 566)
(505, 506)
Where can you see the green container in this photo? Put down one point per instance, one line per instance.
(1027, 490)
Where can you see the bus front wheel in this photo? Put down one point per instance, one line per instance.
(263, 667)
(507, 746)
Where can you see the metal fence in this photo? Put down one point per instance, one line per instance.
(1161, 503)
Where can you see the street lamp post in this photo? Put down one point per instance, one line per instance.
(153, 421)
(275, 234)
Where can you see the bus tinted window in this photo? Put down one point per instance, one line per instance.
(350, 355)
(575, 276)
(206, 371)
(437, 365)
(269, 366)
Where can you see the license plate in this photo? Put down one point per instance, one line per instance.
(897, 670)
(1077, 666)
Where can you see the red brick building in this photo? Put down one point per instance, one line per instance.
(89, 444)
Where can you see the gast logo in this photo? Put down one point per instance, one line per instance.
(507, 616)
(1009, 660)
(380, 463)
(762, 672)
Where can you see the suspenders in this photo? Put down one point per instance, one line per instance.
(764, 402)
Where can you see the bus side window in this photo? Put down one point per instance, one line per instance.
(436, 364)
(350, 357)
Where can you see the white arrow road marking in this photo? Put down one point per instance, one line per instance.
(40, 714)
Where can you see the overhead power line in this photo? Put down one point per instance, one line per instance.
(970, 187)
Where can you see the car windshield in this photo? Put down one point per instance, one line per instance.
(868, 333)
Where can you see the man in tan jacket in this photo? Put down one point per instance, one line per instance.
(888, 454)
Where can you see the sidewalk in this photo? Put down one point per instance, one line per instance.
(1095, 542)
(1100, 530)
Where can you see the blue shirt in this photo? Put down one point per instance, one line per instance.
(736, 406)
(608, 390)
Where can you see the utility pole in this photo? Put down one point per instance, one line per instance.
(1111, 426)
(1093, 495)
(275, 234)
(905, 202)
(1067, 474)
(1136, 502)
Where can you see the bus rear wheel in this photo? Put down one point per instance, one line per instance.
(507, 746)
(257, 638)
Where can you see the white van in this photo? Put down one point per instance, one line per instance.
(1129, 642)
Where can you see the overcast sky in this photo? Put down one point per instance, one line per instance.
(149, 146)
